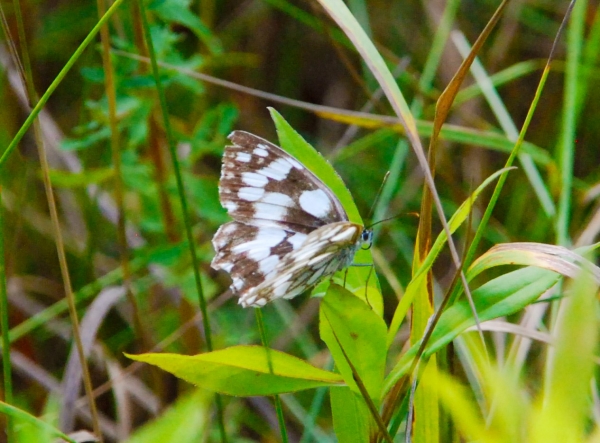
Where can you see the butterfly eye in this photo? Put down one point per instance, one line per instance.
(366, 239)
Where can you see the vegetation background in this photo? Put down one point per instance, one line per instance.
(121, 217)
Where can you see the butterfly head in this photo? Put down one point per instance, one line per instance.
(366, 238)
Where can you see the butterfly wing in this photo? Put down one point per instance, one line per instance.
(289, 230)
(262, 185)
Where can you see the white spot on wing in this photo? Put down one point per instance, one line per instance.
(295, 164)
(219, 241)
(281, 289)
(237, 283)
(261, 151)
(243, 157)
(307, 251)
(255, 180)
(269, 212)
(277, 198)
(345, 235)
(227, 267)
(260, 247)
(222, 236)
(277, 170)
(249, 300)
(296, 240)
(268, 264)
(251, 194)
(270, 236)
(230, 206)
(316, 203)
(319, 258)
(258, 254)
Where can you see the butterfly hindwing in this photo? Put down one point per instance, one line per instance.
(325, 251)
(250, 253)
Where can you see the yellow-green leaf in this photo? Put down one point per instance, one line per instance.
(243, 371)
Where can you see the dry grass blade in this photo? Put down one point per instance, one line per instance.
(90, 324)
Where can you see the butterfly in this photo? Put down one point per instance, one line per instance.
(289, 231)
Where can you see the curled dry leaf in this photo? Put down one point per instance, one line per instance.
(554, 258)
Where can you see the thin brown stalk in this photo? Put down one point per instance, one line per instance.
(60, 249)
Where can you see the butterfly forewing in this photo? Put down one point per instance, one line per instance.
(290, 230)
(263, 185)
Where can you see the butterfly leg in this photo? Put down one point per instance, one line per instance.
(362, 265)
(367, 286)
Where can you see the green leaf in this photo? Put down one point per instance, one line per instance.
(86, 141)
(177, 11)
(291, 142)
(564, 414)
(466, 415)
(64, 179)
(243, 371)
(24, 417)
(185, 421)
(205, 192)
(454, 223)
(501, 296)
(348, 321)
(350, 415)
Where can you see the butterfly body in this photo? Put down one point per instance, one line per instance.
(289, 230)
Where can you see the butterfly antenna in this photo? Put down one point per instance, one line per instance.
(416, 214)
(374, 205)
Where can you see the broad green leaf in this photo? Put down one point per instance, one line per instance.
(455, 221)
(501, 296)
(243, 371)
(22, 416)
(291, 142)
(185, 421)
(348, 321)
(350, 416)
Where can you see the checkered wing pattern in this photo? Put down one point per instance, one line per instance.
(289, 229)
